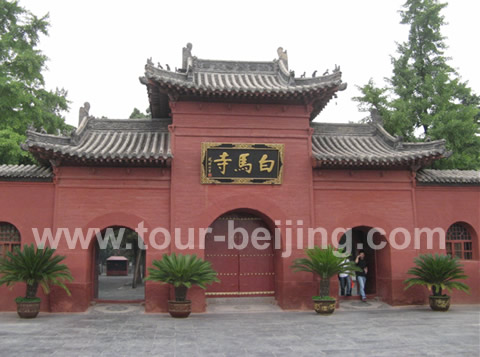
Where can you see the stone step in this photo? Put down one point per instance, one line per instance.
(242, 304)
(242, 300)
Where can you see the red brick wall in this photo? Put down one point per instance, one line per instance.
(442, 206)
(99, 198)
(85, 197)
(196, 205)
(25, 205)
(389, 199)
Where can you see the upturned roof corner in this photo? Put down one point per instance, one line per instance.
(369, 146)
(121, 142)
(245, 81)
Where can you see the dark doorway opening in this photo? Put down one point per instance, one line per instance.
(377, 259)
(119, 266)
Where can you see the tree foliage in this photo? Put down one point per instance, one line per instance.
(137, 114)
(24, 100)
(425, 97)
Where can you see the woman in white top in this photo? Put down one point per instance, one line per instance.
(345, 283)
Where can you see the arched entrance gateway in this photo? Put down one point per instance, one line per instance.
(240, 247)
(377, 255)
(237, 138)
(118, 266)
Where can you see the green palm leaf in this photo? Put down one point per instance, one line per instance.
(34, 266)
(182, 271)
(326, 263)
(437, 272)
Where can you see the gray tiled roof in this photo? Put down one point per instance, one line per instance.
(107, 141)
(448, 176)
(368, 145)
(237, 78)
(248, 81)
(25, 173)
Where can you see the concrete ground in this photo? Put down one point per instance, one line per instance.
(119, 288)
(353, 330)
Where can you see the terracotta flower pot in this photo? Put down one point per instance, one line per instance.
(439, 303)
(324, 307)
(28, 310)
(179, 308)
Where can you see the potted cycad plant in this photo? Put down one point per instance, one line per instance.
(326, 263)
(34, 267)
(183, 272)
(437, 272)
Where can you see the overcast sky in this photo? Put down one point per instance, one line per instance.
(98, 48)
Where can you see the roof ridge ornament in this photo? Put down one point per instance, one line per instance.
(283, 57)
(83, 113)
(377, 121)
(246, 81)
(282, 62)
(83, 118)
(187, 59)
(376, 117)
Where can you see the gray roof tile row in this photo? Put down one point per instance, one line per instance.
(428, 176)
(25, 173)
(107, 140)
(247, 83)
(143, 141)
(367, 145)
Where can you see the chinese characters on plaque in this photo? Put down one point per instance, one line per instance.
(224, 163)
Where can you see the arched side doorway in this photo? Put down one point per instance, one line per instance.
(245, 268)
(377, 255)
(118, 265)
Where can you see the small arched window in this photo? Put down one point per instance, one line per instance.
(9, 237)
(459, 242)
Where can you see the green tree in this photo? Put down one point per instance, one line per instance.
(137, 114)
(23, 97)
(425, 98)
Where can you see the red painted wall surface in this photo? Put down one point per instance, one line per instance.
(442, 206)
(196, 205)
(85, 197)
(26, 205)
(383, 199)
(100, 198)
(390, 200)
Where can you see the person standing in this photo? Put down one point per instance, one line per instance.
(345, 283)
(361, 262)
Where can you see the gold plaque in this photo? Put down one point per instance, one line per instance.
(243, 164)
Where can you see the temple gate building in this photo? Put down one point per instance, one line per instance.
(233, 141)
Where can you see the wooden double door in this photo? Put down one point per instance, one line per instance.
(244, 269)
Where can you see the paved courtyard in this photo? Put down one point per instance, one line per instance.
(125, 330)
(119, 288)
